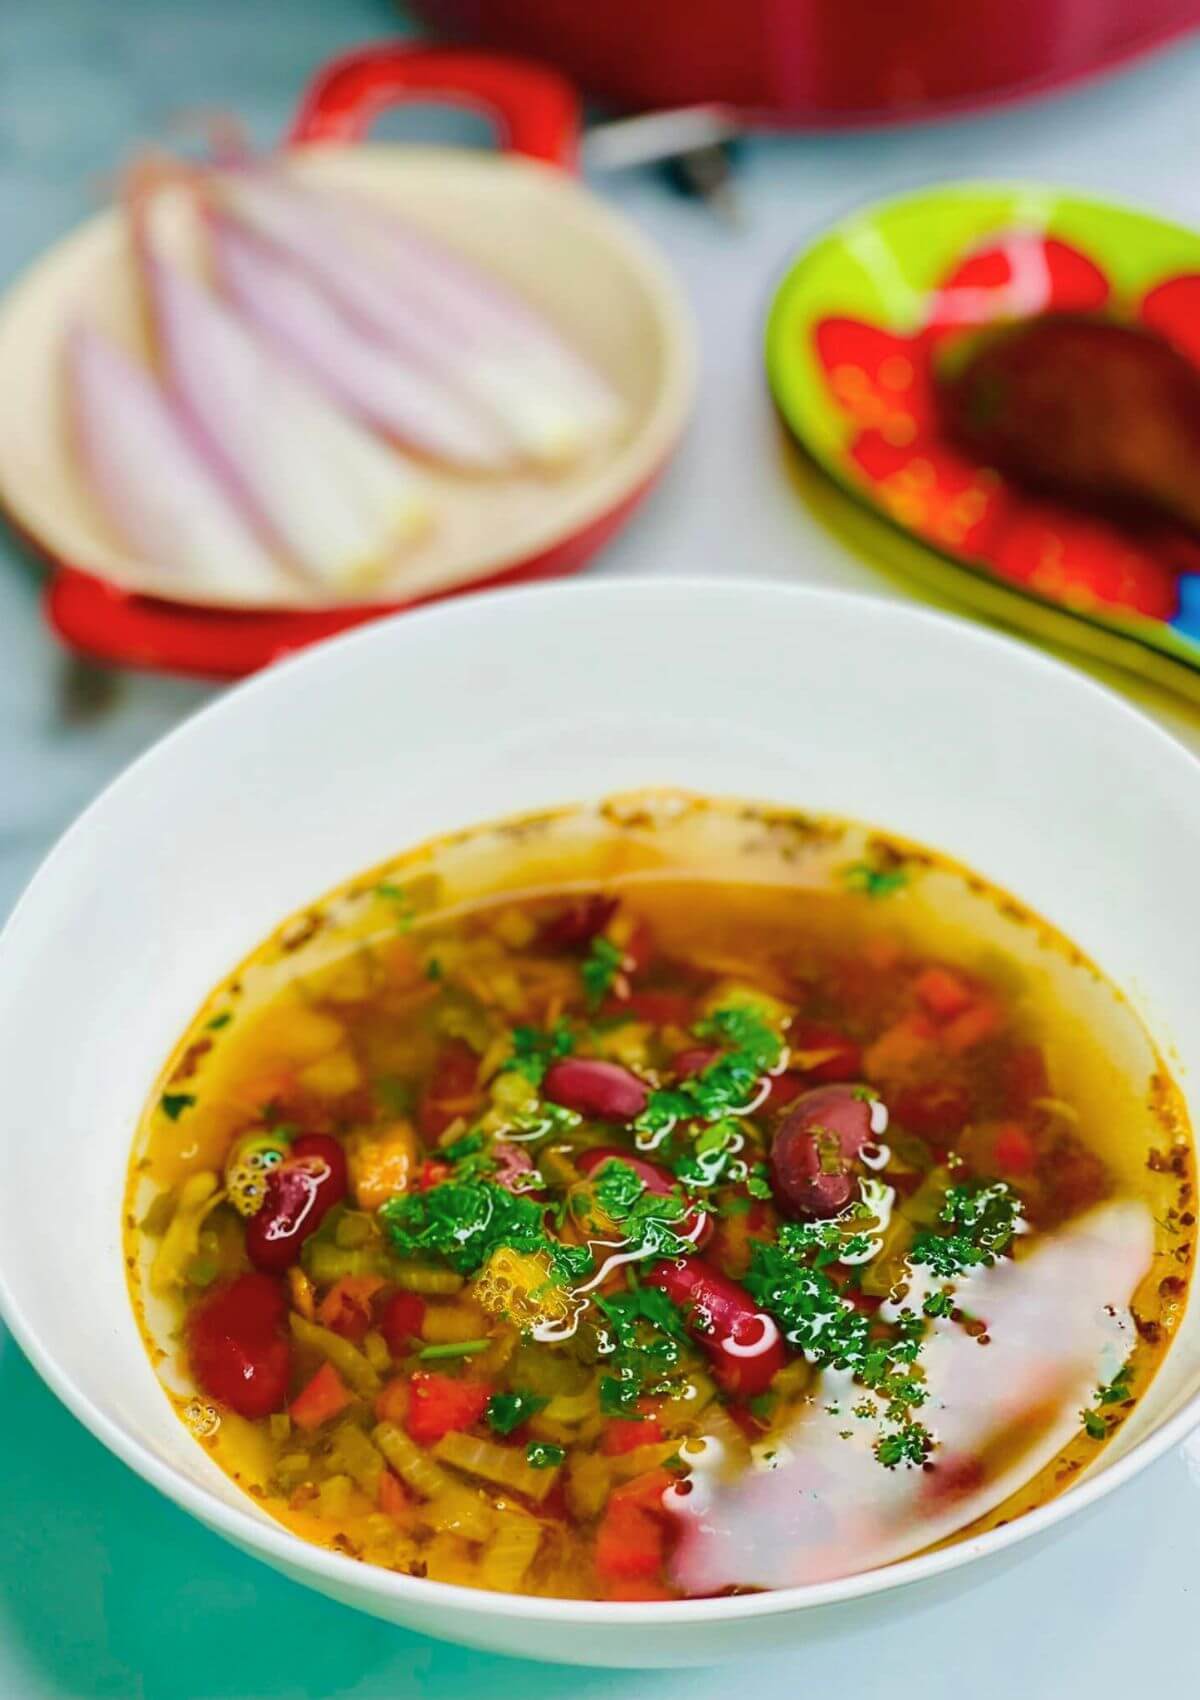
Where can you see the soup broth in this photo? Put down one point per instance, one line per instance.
(659, 1199)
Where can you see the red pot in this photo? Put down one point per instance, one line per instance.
(820, 62)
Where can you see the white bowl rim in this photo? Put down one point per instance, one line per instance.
(351, 1576)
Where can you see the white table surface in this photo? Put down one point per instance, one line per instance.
(106, 1591)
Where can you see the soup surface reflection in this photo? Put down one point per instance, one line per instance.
(658, 1199)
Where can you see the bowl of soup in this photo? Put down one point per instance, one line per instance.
(632, 1124)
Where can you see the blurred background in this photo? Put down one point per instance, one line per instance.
(812, 112)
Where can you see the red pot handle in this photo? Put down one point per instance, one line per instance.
(536, 113)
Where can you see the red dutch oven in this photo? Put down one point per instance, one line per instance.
(820, 62)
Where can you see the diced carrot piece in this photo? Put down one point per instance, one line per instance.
(1014, 1150)
(943, 993)
(391, 1402)
(324, 1397)
(393, 1500)
(645, 1491)
(883, 951)
(346, 1307)
(971, 1027)
(633, 1590)
(438, 1403)
(626, 1434)
(629, 1544)
(899, 1046)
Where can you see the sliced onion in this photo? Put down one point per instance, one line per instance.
(339, 501)
(304, 324)
(549, 405)
(152, 483)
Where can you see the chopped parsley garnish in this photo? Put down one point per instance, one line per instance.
(730, 1081)
(976, 1224)
(648, 1219)
(874, 881)
(459, 1149)
(907, 1445)
(713, 1158)
(173, 1104)
(789, 1280)
(648, 1338)
(1114, 1392)
(534, 1051)
(543, 1455)
(600, 969)
(1118, 1390)
(507, 1411)
(1095, 1425)
(940, 1303)
(462, 1222)
(219, 1021)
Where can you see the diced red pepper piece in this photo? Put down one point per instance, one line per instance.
(401, 1321)
(451, 1091)
(1014, 1150)
(324, 1397)
(936, 1110)
(438, 1403)
(660, 1008)
(1025, 1078)
(944, 993)
(626, 1434)
(823, 1052)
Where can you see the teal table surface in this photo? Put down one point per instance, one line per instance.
(107, 1592)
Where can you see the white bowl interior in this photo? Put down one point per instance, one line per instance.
(321, 767)
(529, 225)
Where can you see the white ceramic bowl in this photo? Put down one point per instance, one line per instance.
(932, 728)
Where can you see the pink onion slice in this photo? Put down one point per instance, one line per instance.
(339, 502)
(155, 488)
(531, 388)
(305, 325)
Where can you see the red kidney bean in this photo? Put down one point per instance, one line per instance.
(578, 925)
(298, 1196)
(693, 1061)
(697, 1224)
(238, 1351)
(514, 1165)
(814, 1149)
(744, 1344)
(596, 1088)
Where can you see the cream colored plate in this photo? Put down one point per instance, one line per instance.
(529, 224)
